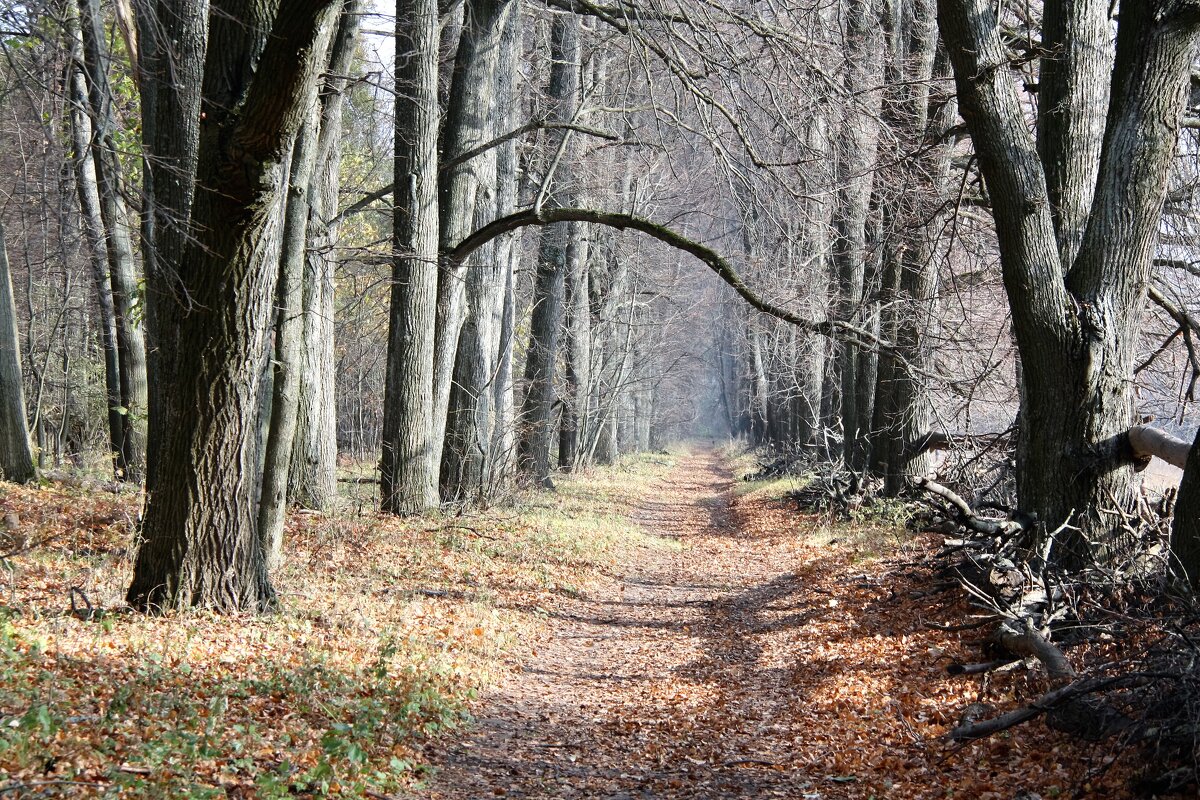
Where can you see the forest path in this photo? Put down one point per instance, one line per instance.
(669, 681)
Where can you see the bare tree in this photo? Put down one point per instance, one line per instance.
(259, 79)
(1076, 213)
(409, 466)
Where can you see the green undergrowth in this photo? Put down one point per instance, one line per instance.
(388, 628)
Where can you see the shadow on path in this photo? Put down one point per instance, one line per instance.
(660, 685)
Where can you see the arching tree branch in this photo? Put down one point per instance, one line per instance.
(711, 258)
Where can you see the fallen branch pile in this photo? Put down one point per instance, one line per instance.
(1133, 675)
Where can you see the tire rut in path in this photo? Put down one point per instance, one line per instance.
(664, 683)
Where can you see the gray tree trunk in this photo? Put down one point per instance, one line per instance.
(312, 482)
(577, 351)
(470, 122)
(546, 323)
(855, 157)
(905, 413)
(508, 255)
(857, 146)
(410, 437)
(123, 268)
(1076, 319)
(469, 469)
(284, 387)
(303, 357)
(16, 455)
(93, 229)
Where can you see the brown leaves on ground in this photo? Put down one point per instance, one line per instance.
(772, 656)
(872, 698)
(387, 629)
(739, 650)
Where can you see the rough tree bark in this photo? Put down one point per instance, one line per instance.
(306, 176)
(92, 220)
(200, 544)
(123, 269)
(470, 122)
(537, 423)
(1076, 298)
(857, 145)
(408, 470)
(468, 468)
(172, 41)
(312, 482)
(508, 255)
(577, 353)
(903, 409)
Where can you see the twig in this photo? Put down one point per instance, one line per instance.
(740, 762)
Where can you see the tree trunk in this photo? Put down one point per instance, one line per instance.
(906, 412)
(172, 36)
(554, 250)
(200, 540)
(289, 326)
(410, 437)
(123, 269)
(577, 352)
(1185, 530)
(856, 160)
(468, 469)
(16, 456)
(508, 255)
(93, 230)
(312, 480)
(470, 121)
(1076, 320)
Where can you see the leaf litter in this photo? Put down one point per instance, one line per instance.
(646, 632)
(771, 655)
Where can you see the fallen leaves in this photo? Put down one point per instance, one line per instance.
(389, 627)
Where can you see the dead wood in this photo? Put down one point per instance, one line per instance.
(1029, 643)
(1146, 441)
(966, 515)
(1044, 704)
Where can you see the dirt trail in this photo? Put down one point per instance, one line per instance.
(667, 682)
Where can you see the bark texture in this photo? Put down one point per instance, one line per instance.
(123, 268)
(16, 455)
(858, 144)
(173, 41)
(921, 112)
(312, 482)
(408, 471)
(537, 422)
(1076, 319)
(200, 543)
(470, 122)
(471, 468)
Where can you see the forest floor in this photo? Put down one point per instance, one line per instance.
(655, 630)
(769, 655)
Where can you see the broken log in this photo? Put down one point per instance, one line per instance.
(966, 515)
(1048, 702)
(1029, 643)
(1146, 441)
